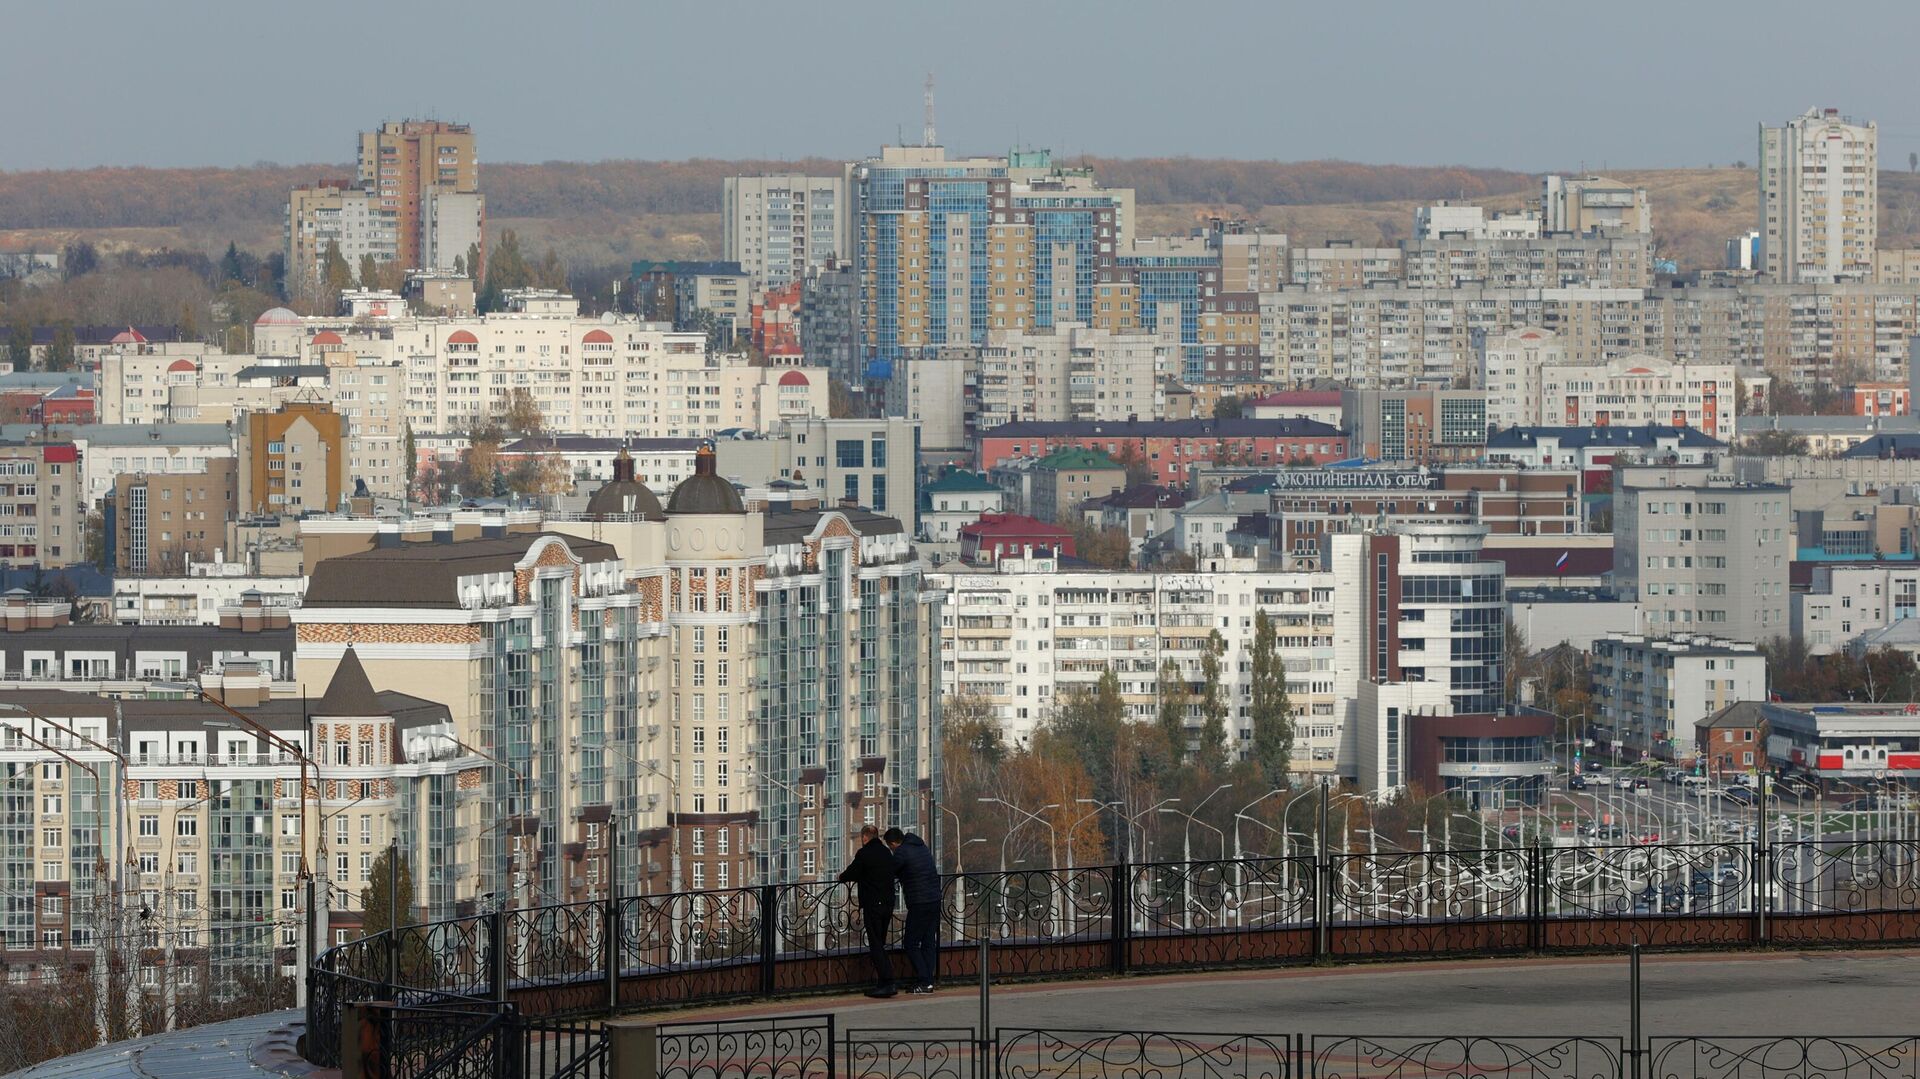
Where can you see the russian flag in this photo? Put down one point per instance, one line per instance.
(1560, 564)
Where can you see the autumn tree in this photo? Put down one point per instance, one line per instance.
(1212, 752)
(1270, 709)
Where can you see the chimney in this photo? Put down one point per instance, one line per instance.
(443, 532)
(494, 527)
(387, 534)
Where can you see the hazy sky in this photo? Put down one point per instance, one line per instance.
(1528, 85)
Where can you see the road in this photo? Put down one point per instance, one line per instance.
(1780, 993)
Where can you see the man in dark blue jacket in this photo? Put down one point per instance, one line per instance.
(920, 884)
(872, 872)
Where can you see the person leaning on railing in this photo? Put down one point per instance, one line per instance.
(920, 886)
(872, 871)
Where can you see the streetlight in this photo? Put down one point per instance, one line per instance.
(673, 830)
(1098, 808)
(1131, 821)
(1053, 843)
(1241, 814)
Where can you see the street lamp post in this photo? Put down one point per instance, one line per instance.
(1052, 847)
(1099, 807)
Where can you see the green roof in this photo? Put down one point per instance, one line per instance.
(1079, 459)
(958, 481)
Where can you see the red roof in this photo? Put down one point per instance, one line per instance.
(128, 336)
(178, 366)
(794, 378)
(595, 337)
(462, 337)
(63, 453)
(1012, 524)
(327, 337)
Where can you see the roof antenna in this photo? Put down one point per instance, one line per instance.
(926, 125)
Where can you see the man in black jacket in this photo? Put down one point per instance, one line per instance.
(920, 884)
(872, 870)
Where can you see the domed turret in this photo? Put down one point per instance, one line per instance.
(625, 494)
(705, 491)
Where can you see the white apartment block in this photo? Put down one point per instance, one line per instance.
(1652, 690)
(1632, 391)
(1452, 219)
(1072, 373)
(1510, 366)
(1846, 601)
(367, 386)
(1819, 198)
(608, 377)
(1022, 637)
(1339, 267)
(776, 227)
(453, 223)
(1708, 558)
(1583, 204)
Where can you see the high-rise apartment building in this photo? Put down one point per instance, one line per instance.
(1819, 198)
(779, 227)
(161, 523)
(406, 165)
(947, 249)
(293, 460)
(1073, 373)
(329, 213)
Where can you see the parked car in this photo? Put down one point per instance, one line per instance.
(1577, 782)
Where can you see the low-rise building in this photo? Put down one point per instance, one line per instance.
(1843, 601)
(1424, 426)
(954, 501)
(1066, 478)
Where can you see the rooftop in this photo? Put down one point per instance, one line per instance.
(1076, 459)
(426, 575)
(1644, 436)
(1291, 427)
(959, 481)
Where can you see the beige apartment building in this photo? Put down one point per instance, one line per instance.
(42, 504)
(164, 522)
(1582, 204)
(293, 460)
(334, 212)
(403, 164)
(777, 227)
(1819, 198)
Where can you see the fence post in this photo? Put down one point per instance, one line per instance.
(1120, 927)
(610, 928)
(633, 1051)
(982, 1051)
(497, 953)
(769, 935)
(1633, 1012)
(1762, 866)
(1537, 899)
(1322, 885)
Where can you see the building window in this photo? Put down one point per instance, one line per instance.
(849, 453)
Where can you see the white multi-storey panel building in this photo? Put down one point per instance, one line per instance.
(1072, 373)
(1023, 636)
(1845, 601)
(1819, 198)
(1652, 691)
(777, 227)
(1632, 391)
(1704, 558)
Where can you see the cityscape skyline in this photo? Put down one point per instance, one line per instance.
(1377, 94)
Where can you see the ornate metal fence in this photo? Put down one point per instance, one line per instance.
(1448, 1056)
(593, 958)
(791, 1047)
(1074, 1054)
(1784, 1057)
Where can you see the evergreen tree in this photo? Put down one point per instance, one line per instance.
(231, 268)
(412, 456)
(1271, 709)
(335, 275)
(369, 272)
(60, 357)
(1213, 706)
(1173, 710)
(20, 344)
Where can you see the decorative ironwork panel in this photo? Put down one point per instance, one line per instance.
(1418, 886)
(557, 945)
(1359, 1057)
(1784, 1058)
(450, 957)
(937, 1053)
(1845, 876)
(706, 943)
(1027, 906)
(1072, 1054)
(792, 1047)
(1664, 879)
